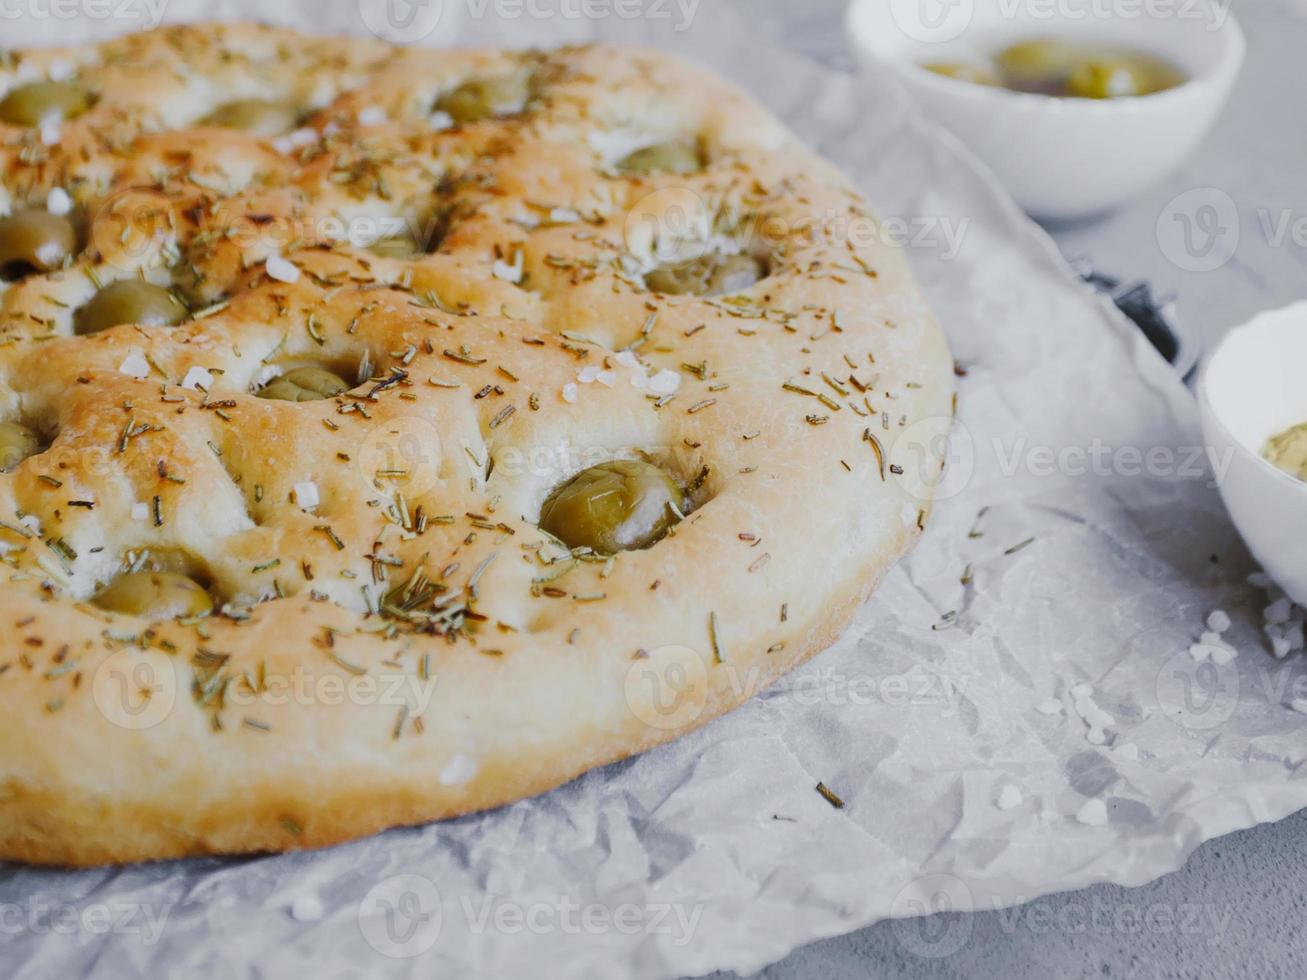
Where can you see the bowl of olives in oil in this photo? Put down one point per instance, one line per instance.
(1075, 108)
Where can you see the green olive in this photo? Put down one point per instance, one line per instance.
(1107, 80)
(672, 157)
(40, 102)
(305, 384)
(1041, 61)
(483, 98)
(258, 116)
(964, 72)
(129, 301)
(155, 595)
(708, 275)
(620, 505)
(33, 240)
(397, 247)
(17, 442)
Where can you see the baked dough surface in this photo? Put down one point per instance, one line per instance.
(396, 641)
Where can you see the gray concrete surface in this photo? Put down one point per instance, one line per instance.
(1235, 909)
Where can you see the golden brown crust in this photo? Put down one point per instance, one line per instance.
(411, 647)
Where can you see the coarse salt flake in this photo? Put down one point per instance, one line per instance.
(140, 511)
(1051, 706)
(197, 378)
(135, 365)
(569, 392)
(282, 269)
(373, 115)
(1218, 621)
(1093, 814)
(58, 201)
(606, 378)
(588, 374)
(306, 495)
(307, 907)
(459, 770)
(1009, 797)
(665, 382)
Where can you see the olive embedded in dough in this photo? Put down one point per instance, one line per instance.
(33, 240)
(396, 247)
(17, 442)
(708, 275)
(484, 98)
(129, 301)
(670, 156)
(305, 384)
(261, 117)
(155, 595)
(43, 102)
(621, 505)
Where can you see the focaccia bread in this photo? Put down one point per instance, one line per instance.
(392, 434)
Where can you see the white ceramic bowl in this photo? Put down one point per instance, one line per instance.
(1251, 388)
(1060, 158)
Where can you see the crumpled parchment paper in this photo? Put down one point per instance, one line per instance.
(968, 728)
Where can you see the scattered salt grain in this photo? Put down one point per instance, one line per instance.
(140, 512)
(61, 70)
(569, 392)
(1009, 797)
(282, 269)
(588, 374)
(197, 379)
(51, 132)
(1280, 647)
(1095, 736)
(1200, 652)
(508, 273)
(1052, 706)
(1279, 610)
(373, 115)
(307, 907)
(1223, 655)
(441, 120)
(606, 378)
(1218, 621)
(626, 359)
(58, 201)
(665, 382)
(1093, 814)
(135, 365)
(458, 771)
(306, 495)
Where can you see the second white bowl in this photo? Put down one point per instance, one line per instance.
(1060, 158)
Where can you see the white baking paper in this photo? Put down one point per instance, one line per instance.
(951, 718)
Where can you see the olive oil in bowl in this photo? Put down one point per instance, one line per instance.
(1068, 69)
